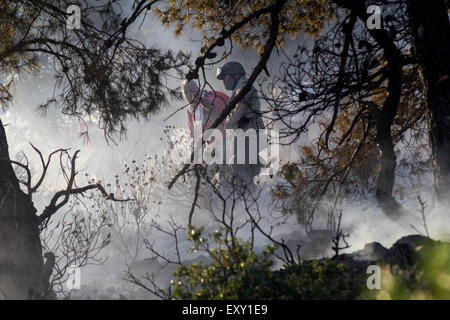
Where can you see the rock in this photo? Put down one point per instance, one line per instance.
(404, 253)
(373, 251)
(414, 241)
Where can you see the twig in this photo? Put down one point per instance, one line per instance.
(337, 238)
(248, 85)
(422, 211)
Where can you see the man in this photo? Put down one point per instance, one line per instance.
(246, 115)
(203, 107)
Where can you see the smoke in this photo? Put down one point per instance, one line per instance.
(364, 222)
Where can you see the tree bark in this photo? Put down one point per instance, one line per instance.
(430, 29)
(21, 259)
(385, 116)
(385, 119)
(383, 138)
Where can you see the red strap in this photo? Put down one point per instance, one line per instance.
(190, 118)
(221, 96)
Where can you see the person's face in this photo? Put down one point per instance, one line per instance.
(191, 96)
(228, 82)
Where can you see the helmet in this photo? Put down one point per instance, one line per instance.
(232, 68)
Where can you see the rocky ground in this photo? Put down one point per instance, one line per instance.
(404, 254)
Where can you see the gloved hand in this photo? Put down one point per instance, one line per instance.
(204, 94)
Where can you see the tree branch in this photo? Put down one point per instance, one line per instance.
(274, 10)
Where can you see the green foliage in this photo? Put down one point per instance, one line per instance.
(235, 271)
(296, 16)
(317, 280)
(342, 164)
(101, 70)
(428, 279)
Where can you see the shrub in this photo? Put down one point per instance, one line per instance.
(235, 271)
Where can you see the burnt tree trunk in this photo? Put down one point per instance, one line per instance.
(387, 159)
(21, 259)
(385, 119)
(385, 116)
(430, 29)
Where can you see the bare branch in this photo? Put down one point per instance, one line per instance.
(270, 44)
